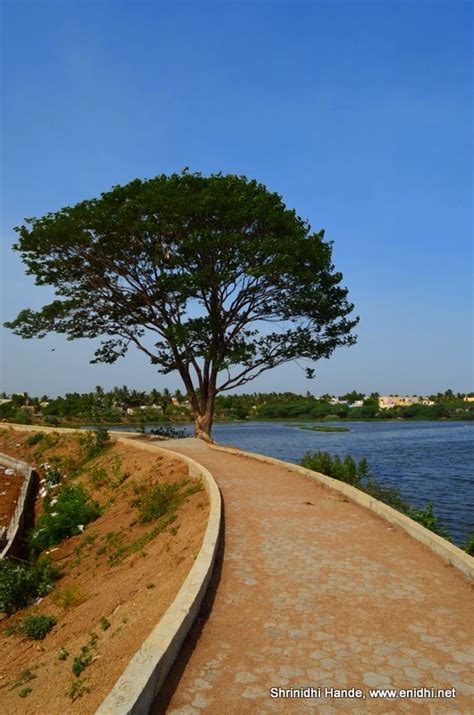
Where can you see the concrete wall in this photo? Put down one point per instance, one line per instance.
(13, 533)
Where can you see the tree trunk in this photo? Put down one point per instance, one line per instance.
(204, 417)
(202, 426)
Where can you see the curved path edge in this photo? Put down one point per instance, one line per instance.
(135, 690)
(443, 548)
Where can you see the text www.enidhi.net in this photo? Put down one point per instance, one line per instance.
(389, 693)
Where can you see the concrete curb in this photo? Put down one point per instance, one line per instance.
(442, 548)
(135, 690)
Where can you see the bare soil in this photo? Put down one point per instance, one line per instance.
(113, 588)
(10, 487)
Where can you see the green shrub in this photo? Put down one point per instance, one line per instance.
(426, 517)
(62, 517)
(37, 627)
(34, 438)
(469, 545)
(24, 692)
(21, 583)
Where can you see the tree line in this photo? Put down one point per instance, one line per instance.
(121, 404)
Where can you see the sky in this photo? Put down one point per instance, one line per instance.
(358, 113)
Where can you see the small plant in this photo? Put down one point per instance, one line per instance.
(85, 656)
(104, 623)
(99, 477)
(78, 689)
(37, 627)
(25, 677)
(24, 692)
(469, 545)
(426, 517)
(81, 661)
(33, 439)
(94, 443)
(63, 654)
(70, 596)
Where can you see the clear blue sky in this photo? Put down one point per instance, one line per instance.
(358, 113)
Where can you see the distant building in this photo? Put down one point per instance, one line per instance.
(388, 401)
(469, 399)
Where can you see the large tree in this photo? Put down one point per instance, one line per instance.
(210, 276)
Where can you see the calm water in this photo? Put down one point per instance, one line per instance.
(426, 461)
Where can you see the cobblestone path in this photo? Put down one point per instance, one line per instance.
(315, 591)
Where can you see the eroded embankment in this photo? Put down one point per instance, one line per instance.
(118, 577)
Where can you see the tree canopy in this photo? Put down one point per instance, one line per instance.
(213, 277)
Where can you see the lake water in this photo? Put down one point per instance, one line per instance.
(426, 461)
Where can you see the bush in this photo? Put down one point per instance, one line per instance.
(21, 583)
(37, 627)
(426, 517)
(62, 517)
(469, 545)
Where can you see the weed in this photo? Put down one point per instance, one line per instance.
(93, 443)
(157, 500)
(70, 596)
(25, 677)
(469, 545)
(63, 654)
(104, 623)
(34, 438)
(24, 692)
(99, 477)
(81, 661)
(78, 689)
(37, 627)
(12, 629)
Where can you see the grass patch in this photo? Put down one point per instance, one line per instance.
(70, 596)
(34, 439)
(156, 501)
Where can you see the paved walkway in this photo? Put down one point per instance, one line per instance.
(313, 590)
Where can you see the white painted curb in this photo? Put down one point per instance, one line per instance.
(135, 690)
(447, 551)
